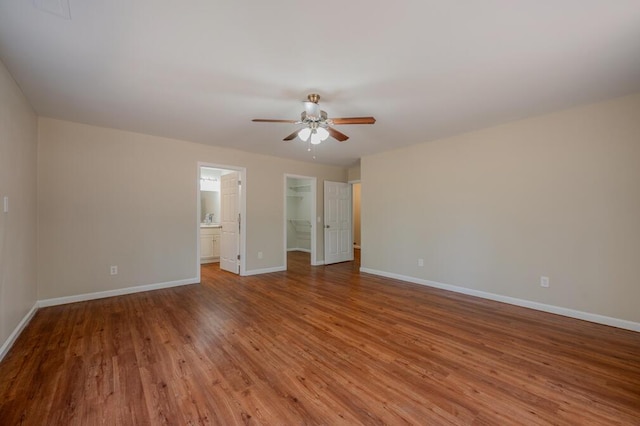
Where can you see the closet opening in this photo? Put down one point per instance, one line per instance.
(300, 222)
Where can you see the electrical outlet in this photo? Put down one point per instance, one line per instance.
(420, 262)
(544, 282)
(259, 255)
(113, 270)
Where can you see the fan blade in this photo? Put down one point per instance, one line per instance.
(291, 136)
(337, 135)
(267, 120)
(354, 120)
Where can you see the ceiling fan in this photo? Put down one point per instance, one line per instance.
(316, 123)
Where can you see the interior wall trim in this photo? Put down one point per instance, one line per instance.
(572, 313)
(264, 271)
(6, 346)
(17, 331)
(117, 292)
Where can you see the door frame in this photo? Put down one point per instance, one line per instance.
(353, 182)
(242, 171)
(312, 219)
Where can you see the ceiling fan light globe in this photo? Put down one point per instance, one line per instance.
(316, 139)
(322, 133)
(304, 134)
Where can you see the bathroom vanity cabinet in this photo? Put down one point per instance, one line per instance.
(209, 243)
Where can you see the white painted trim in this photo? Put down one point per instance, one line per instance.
(17, 331)
(317, 263)
(264, 271)
(572, 313)
(118, 292)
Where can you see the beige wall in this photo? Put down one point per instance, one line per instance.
(493, 210)
(110, 197)
(353, 174)
(18, 140)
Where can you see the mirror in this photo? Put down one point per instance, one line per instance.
(209, 207)
(210, 195)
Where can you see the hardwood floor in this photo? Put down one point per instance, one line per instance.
(315, 345)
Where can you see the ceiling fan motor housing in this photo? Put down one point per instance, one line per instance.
(319, 116)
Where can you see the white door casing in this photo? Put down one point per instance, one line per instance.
(230, 235)
(338, 237)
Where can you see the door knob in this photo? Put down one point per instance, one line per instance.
(327, 226)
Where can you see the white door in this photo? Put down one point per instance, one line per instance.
(338, 237)
(230, 237)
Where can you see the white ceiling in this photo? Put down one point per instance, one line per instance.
(200, 70)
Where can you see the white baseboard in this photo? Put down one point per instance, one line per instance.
(110, 293)
(16, 332)
(600, 319)
(264, 271)
(83, 297)
(317, 263)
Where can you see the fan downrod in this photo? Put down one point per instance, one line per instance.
(313, 97)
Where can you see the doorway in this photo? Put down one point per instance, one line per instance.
(300, 211)
(338, 230)
(355, 192)
(220, 217)
(356, 188)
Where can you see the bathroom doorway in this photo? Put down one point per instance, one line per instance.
(220, 213)
(300, 213)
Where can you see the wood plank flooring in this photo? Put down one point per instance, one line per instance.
(315, 345)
